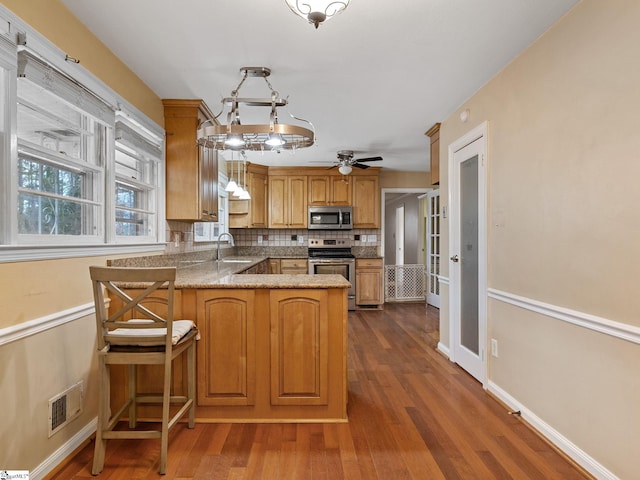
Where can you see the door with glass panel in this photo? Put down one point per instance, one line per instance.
(433, 248)
(467, 266)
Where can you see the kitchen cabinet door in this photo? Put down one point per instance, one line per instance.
(191, 169)
(366, 201)
(299, 347)
(326, 190)
(369, 277)
(259, 200)
(287, 201)
(227, 348)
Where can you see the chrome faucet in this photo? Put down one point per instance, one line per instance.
(231, 241)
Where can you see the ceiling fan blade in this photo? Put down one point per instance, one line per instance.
(369, 159)
(360, 165)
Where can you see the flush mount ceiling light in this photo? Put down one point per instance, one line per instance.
(317, 11)
(267, 136)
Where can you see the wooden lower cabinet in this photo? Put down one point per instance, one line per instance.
(227, 348)
(294, 266)
(272, 355)
(299, 347)
(264, 355)
(369, 289)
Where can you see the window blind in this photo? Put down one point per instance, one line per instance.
(45, 76)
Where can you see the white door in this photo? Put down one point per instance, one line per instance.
(400, 235)
(433, 248)
(467, 250)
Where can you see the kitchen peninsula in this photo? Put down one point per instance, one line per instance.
(272, 348)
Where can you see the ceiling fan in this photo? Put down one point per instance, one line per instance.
(346, 161)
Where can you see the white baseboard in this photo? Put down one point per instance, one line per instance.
(564, 444)
(64, 451)
(444, 349)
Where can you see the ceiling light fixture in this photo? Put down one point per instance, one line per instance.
(345, 169)
(317, 11)
(261, 137)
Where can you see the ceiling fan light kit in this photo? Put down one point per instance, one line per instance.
(346, 162)
(317, 11)
(267, 136)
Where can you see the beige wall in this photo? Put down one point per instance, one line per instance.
(393, 179)
(563, 224)
(36, 368)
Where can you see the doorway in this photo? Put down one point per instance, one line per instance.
(467, 250)
(403, 244)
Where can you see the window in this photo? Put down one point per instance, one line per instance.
(62, 153)
(137, 159)
(81, 170)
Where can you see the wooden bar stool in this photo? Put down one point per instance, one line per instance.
(129, 333)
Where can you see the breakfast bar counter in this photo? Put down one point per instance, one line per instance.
(272, 348)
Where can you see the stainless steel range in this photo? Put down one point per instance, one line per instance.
(333, 256)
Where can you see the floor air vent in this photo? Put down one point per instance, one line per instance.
(64, 407)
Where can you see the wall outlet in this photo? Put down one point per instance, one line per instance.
(300, 240)
(494, 347)
(259, 239)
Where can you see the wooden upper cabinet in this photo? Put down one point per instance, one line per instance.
(258, 189)
(287, 201)
(191, 169)
(329, 190)
(366, 201)
(251, 213)
(434, 136)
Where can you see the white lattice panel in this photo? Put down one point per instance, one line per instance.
(404, 282)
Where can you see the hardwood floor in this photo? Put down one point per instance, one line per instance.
(412, 415)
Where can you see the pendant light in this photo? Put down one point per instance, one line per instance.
(232, 186)
(268, 136)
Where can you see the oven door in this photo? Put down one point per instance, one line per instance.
(345, 267)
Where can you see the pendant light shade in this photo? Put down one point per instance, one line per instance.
(317, 11)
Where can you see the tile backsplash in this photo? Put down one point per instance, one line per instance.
(180, 238)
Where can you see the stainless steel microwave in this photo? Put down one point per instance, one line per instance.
(330, 218)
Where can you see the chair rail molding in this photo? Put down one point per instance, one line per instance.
(38, 325)
(622, 331)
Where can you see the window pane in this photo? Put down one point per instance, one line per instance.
(40, 215)
(130, 221)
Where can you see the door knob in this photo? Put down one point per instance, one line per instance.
(455, 259)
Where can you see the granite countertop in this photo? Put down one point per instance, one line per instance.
(226, 274)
